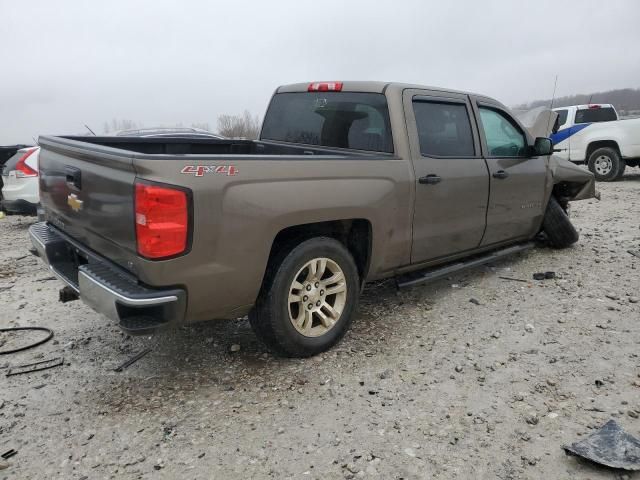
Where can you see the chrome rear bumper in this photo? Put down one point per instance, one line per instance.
(104, 286)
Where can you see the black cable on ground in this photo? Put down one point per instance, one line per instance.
(27, 347)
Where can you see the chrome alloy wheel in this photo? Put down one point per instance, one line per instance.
(317, 297)
(603, 165)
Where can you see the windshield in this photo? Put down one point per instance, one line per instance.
(357, 121)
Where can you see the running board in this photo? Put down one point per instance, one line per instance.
(415, 278)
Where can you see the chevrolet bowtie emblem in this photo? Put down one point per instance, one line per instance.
(74, 202)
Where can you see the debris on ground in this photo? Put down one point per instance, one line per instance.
(35, 367)
(610, 446)
(514, 279)
(132, 360)
(49, 336)
(9, 453)
(544, 275)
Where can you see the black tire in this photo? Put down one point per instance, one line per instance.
(605, 164)
(270, 317)
(623, 166)
(556, 224)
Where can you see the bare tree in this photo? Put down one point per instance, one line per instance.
(245, 126)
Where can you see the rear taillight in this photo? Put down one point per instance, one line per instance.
(325, 87)
(594, 106)
(22, 169)
(162, 220)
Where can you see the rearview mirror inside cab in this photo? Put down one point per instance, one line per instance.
(542, 147)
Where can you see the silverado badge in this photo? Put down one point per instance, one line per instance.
(74, 202)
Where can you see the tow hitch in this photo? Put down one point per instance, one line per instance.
(68, 294)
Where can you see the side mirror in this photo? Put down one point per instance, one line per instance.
(542, 147)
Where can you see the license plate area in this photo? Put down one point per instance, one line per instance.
(65, 259)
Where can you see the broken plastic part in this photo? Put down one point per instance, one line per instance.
(610, 446)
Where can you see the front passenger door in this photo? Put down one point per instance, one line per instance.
(517, 180)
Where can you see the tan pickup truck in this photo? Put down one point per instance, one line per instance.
(349, 182)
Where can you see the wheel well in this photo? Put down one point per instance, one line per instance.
(564, 191)
(593, 146)
(355, 234)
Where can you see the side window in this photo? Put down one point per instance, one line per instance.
(444, 129)
(562, 117)
(503, 137)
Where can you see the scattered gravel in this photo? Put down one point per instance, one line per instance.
(427, 384)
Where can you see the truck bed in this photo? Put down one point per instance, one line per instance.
(205, 146)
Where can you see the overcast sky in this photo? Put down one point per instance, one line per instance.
(70, 62)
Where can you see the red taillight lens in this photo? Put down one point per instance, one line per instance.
(24, 170)
(162, 220)
(594, 106)
(325, 87)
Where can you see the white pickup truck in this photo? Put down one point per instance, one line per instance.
(592, 134)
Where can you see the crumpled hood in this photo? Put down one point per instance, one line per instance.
(539, 121)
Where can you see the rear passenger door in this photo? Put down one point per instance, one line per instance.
(452, 182)
(517, 180)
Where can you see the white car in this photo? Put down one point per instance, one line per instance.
(20, 192)
(592, 134)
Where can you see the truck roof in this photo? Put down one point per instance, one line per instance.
(367, 86)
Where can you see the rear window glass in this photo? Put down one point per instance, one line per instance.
(357, 121)
(444, 129)
(593, 115)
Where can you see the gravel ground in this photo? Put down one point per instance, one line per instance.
(469, 377)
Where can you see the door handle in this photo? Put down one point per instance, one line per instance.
(430, 179)
(500, 174)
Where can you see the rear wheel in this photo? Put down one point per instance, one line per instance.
(308, 300)
(556, 224)
(606, 164)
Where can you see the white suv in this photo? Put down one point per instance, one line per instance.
(20, 193)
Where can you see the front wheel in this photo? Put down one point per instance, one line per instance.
(308, 299)
(556, 224)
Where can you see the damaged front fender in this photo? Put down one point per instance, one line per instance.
(569, 181)
(565, 179)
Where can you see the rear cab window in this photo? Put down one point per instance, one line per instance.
(594, 115)
(352, 120)
(444, 129)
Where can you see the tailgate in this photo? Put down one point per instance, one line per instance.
(86, 191)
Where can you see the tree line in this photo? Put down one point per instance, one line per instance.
(230, 126)
(626, 100)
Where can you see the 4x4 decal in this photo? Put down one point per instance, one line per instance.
(201, 170)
